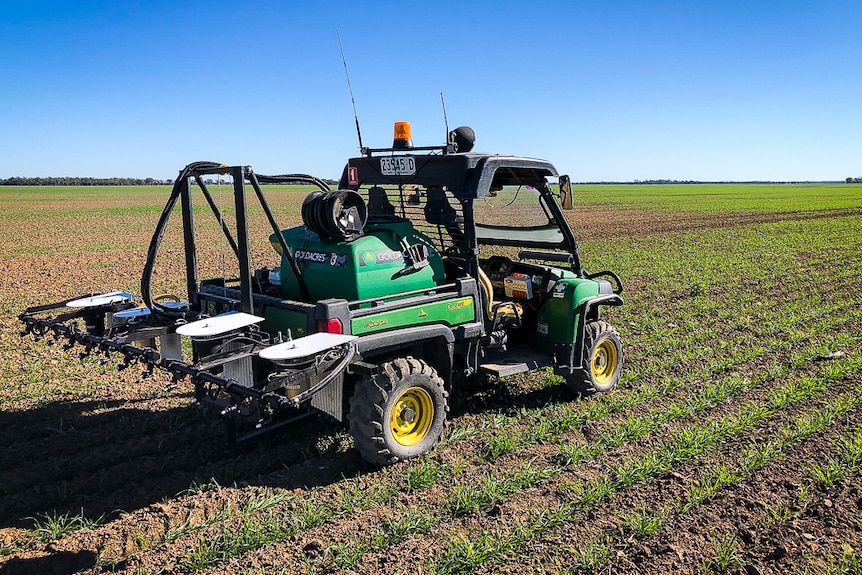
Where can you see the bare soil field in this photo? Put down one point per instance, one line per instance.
(732, 445)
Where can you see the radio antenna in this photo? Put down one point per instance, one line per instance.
(445, 119)
(349, 89)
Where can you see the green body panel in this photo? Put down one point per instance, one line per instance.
(361, 269)
(281, 320)
(558, 317)
(448, 312)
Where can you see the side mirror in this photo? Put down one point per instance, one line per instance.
(566, 193)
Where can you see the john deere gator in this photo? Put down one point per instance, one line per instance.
(427, 265)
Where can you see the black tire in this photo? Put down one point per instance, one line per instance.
(603, 360)
(398, 413)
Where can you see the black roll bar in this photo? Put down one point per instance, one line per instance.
(182, 190)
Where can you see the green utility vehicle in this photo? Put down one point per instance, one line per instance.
(425, 266)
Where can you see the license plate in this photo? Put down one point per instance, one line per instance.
(398, 166)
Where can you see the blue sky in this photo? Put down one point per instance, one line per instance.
(607, 90)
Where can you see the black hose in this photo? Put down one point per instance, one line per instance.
(159, 233)
(338, 215)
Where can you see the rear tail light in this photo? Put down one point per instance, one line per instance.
(332, 325)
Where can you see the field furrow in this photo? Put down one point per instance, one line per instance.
(646, 530)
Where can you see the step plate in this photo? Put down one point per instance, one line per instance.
(504, 364)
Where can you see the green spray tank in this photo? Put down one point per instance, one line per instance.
(339, 256)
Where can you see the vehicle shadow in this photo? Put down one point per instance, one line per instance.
(58, 563)
(83, 463)
(482, 394)
(91, 460)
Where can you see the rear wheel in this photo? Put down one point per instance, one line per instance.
(398, 413)
(603, 360)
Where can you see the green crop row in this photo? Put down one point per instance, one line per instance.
(491, 489)
(724, 198)
(463, 554)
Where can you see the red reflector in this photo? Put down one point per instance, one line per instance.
(330, 326)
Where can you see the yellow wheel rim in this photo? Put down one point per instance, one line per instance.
(604, 362)
(412, 416)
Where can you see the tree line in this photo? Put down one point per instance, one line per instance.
(78, 181)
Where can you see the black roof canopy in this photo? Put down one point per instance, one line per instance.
(467, 176)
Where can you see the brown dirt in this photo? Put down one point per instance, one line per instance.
(83, 439)
(601, 224)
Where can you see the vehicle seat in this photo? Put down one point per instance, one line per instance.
(500, 314)
(379, 206)
(437, 208)
(439, 212)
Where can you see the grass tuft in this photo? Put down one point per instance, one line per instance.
(49, 528)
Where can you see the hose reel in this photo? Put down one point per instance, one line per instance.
(338, 215)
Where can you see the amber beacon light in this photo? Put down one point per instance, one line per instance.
(403, 139)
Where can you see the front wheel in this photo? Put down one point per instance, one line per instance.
(603, 360)
(399, 412)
